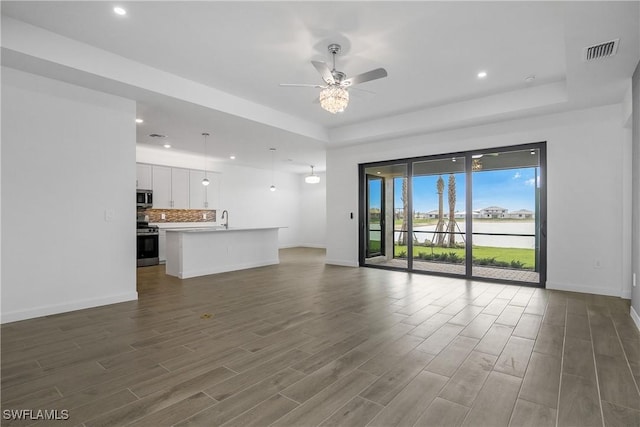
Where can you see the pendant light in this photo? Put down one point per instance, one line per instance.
(205, 181)
(313, 178)
(273, 154)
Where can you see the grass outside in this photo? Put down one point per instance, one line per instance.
(524, 256)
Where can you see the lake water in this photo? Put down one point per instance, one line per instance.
(425, 232)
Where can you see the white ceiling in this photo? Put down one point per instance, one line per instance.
(237, 53)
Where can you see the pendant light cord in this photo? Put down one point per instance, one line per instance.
(205, 134)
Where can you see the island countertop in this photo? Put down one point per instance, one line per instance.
(218, 228)
(199, 251)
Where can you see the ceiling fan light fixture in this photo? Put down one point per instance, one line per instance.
(334, 99)
(312, 179)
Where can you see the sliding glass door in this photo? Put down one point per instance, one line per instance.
(384, 216)
(477, 214)
(375, 216)
(506, 215)
(438, 215)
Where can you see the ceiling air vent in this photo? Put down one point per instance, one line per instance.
(601, 50)
(157, 135)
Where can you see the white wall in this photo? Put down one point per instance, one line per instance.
(635, 299)
(244, 192)
(585, 192)
(313, 213)
(67, 158)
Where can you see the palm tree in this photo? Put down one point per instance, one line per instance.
(440, 226)
(402, 239)
(451, 227)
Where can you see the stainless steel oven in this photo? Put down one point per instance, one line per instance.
(147, 245)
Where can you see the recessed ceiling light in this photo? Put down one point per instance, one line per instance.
(530, 79)
(232, 157)
(139, 120)
(378, 173)
(482, 74)
(167, 145)
(119, 11)
(454, 160)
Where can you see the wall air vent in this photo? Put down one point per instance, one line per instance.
(601, 50)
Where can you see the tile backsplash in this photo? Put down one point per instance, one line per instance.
(180, 215)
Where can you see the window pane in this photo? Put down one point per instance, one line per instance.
(439, 215)
(505, 212)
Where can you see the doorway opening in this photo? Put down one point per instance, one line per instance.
(479, 214)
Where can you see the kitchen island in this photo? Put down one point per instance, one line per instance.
(193, 252)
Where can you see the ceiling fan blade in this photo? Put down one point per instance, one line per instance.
(360, 90)
(301, 85)
(324, 71)
(378, 73)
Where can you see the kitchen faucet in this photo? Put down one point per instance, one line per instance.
(225, 215)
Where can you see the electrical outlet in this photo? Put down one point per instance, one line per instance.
(204, 216)
(163, 216)
(109, 214)
(597, 263)
(634, 280)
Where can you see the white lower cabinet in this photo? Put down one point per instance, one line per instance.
(162, 245)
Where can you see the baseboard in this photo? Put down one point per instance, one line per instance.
(341, 263)
(303, 245)
(635, 317)
(14, 316)
(569, 287)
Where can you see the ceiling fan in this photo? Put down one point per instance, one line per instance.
(334, 96)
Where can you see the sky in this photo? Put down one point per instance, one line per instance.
(513, 189)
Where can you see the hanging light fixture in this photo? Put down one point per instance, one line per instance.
(334, 98)
(273, 153)
(205, 181)
(313, 178)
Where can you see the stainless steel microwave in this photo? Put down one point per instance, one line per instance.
(144, 199)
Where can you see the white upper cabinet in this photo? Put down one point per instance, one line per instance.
(180, 188)
(177, 188)
(162, 187)
(143, 177)
(201, 196)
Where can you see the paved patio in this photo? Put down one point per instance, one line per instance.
(478, 271)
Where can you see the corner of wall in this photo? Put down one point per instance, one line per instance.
(635, 317)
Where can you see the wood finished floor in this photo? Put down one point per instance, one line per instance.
(304, 344)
